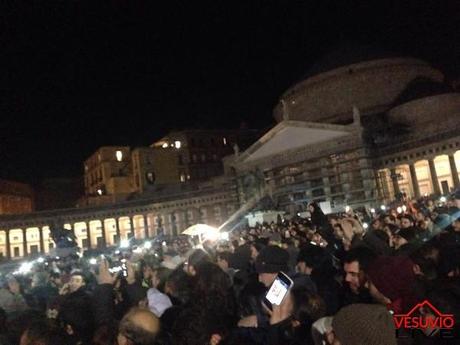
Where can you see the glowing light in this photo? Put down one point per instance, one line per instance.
(137, 250)
(40, 260)
(365, 225)
(399, 209)
(177, 144)
(148, 245)
(163, 243)
(383, 207)
(224, 140)
(224, 236)
(58, 258)
(426, 194)
(99, 191)
(119, 155)
(92, 261)
(372, 210)
(443, 199)
(25, 267)
(165, 145)
(404, 208)
(347, 208)
(124, 244)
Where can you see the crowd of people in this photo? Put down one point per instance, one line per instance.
(352, 273)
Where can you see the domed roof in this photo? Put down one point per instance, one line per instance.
(347, 53)
(422, 87)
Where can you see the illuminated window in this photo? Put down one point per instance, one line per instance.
(177, 144)
(182, 177)
(224, 141)
(119, 155)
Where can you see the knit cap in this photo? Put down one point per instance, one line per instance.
(393, 276)
(359, 324)
(272, 259)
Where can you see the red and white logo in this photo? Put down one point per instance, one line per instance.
(425, 317)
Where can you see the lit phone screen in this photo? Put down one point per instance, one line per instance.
(277, 291)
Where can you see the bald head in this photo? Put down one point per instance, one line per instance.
(138, 327)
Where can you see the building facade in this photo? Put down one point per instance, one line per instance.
(106, 225)
(357, 134)
(15, 197)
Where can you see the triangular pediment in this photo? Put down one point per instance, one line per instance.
(292, 135)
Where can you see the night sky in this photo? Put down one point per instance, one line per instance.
(76, 75)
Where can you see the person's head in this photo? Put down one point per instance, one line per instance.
(195, 259)
(404, 236)
(138, 327)
(147, 271)
(269, 262)
(354, 265)
(42, 333)
(362, 324)
(376, 224)
(159, 276)
(310, 258)
(256, 247)
(55, 278)
(223, 260)
(456, 224)
(391, 279)
(307, 307)
(77, 281)
(77, 318)
(179, 286)
(389, 219)
(338, 231)
(406, 221)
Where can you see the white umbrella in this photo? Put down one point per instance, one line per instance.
(199, 230)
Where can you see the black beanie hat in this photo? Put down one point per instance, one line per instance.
(272, 259)
(369, 324)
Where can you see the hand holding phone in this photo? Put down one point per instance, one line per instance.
(278, 290)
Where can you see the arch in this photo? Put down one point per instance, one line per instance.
(81, 234)
(33, 241)
(95, 233)
(16, 243)
(138, 226)
(443, 173)
(47, 241)
(422, 170)
(110, 228)
(3, 244)
(125, 227)
(404, 179)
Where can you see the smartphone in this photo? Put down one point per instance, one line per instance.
(124, 269)
(278, 290)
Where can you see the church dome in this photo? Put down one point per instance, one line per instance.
(368, 79)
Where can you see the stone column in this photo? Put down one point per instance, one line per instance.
(117, 229)
(88, 235)
(413, 177)
(42, 240)
(8, 244)
(453, 170)
(146, 226)
(131, 227)
(104, 236)
(394, 181)
(24, 242)
(434, 177)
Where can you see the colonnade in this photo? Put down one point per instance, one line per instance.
(104, 231)
(433, 175)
